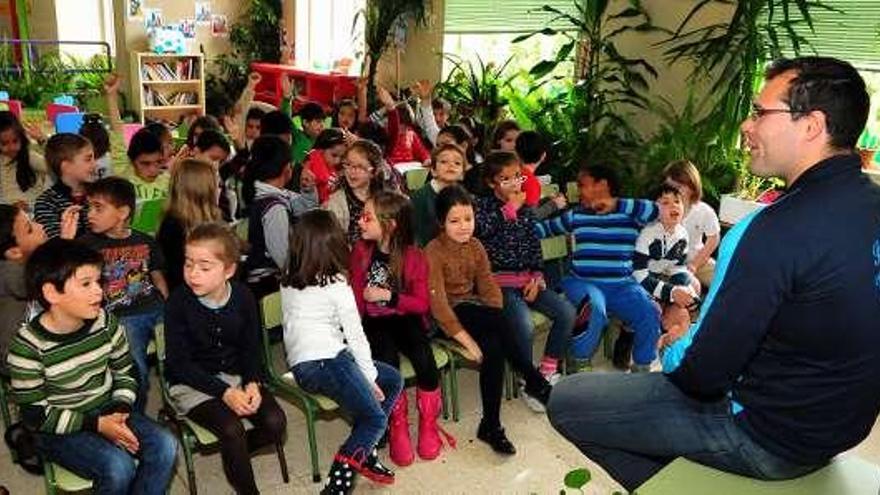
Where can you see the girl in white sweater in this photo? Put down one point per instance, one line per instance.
(327, 350)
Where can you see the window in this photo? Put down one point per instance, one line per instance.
(325, 33)
(485, 28)
(71, 27)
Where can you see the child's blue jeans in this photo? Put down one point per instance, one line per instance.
(626, 300)
(550, 304)
(139, 329)
(340, 379)
(111, 468)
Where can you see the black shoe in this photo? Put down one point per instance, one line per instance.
(383, 442)
(372, 468)
(496, 439)
(340, 480)
(539, 390)
(623, 347)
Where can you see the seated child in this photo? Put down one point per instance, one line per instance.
(23, 172)
(134, 286)
(147, 158)
(659, 263)
(345, 115)
(389, 276)
(467, 305)
(212, 328)
(192, 201)
(19, 237)
(162, 132)
(532, 150)
(503, 139)
(72, 379)
(71, 158)
(361, 173)
(448, 164)
(317, 301)
(700, 220)
(273, 210)
(324, 160)
(506, 227)
(605, 229)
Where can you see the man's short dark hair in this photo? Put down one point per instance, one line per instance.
(276, 122)
(55, 262)
(831, 86)
(311, 111)
(143, 142)
(602, 172)
(63, 147)
(116, 190)
(210, 138)
(530, 146)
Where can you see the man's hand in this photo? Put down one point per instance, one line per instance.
(286, 86)
(682, 296)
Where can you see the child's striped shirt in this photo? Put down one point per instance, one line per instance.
(603, 244)
(63, 382)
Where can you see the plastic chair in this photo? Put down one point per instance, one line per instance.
(549, 190)
(192, 435)
(284, 384)
(846, 474)
(53, 109)
(572, 194)
(416, 178)
(148, 216)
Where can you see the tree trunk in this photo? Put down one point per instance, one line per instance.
(371, 78)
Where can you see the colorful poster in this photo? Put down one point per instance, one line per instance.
(219, 25)
(203, 13)
(134, 9)
(153, 18)
(188, 28)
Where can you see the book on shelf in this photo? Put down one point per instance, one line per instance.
(183, 70)
(155, 98)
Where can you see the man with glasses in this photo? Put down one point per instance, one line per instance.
(780, 372)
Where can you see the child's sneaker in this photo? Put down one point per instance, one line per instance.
(532, 402)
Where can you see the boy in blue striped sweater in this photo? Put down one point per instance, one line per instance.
(605, 229)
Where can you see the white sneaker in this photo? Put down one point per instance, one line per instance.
(532, 403)
(553, 378)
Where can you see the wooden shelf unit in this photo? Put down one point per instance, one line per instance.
(154, 81)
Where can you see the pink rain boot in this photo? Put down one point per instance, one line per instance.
(430, 404)
(399, 443)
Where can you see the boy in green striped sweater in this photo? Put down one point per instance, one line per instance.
(72, 378)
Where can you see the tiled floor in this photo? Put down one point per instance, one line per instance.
(542, 460)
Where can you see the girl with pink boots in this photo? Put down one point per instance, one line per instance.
(389, 275)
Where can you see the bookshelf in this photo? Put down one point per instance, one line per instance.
(169, 86)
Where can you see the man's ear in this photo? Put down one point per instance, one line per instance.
(817, 125)
(14, 254)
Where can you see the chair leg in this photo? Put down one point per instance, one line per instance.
(508, 387)
(453, 380)
(49, 478)
(187, 444)
(444, 394)
(282, 460)
(313, 444)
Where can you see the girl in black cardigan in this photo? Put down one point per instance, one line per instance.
(213, 341)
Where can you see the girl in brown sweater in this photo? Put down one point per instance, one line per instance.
(466, 302)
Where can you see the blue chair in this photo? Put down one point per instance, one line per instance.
(68, 122)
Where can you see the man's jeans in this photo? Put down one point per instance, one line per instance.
(139, 330)
(111, 468)
(340, 379)
(634, 424)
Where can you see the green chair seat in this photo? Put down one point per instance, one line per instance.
(67, 481)
(572, 193)
(148, 216)
(440, 358)
(202, 434)
(549, 190)
(324, 402)
(539, 320)
(415, 179)
(845, 475)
